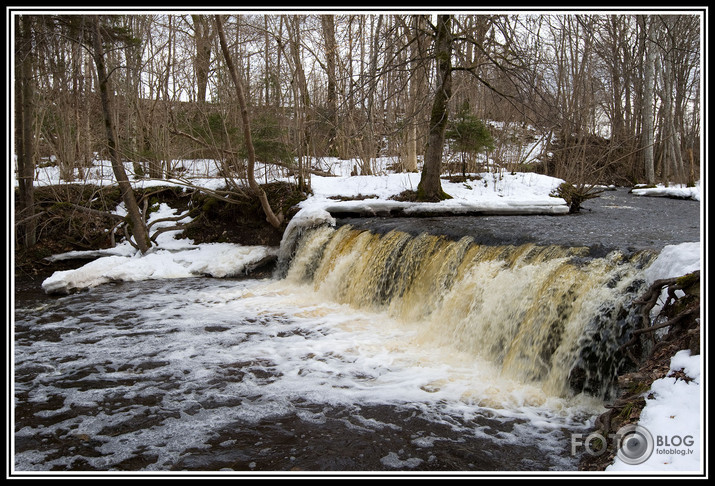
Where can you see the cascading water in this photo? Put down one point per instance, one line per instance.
(541, 314)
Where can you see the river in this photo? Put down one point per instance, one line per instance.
(293, 375)
(614, 220)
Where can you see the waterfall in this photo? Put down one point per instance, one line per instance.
(550, 315)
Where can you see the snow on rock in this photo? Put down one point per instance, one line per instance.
(224, 259)
(674, 261)
(677, 191)
(308, 217)
(89, 275)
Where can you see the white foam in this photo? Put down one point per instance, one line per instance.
(277, 345)
(393, 460)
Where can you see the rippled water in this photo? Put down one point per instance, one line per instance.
(259, 375)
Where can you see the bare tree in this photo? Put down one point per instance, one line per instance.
(430, 186)
(328, 25)
(417, 83)
(202, 59)
(24, 130)
(275, 220)
(302, 98)
(138, 226)
(647, 102)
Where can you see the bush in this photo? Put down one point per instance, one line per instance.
(468, 134)
(576, 195)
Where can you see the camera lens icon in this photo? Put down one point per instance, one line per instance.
(635, 444)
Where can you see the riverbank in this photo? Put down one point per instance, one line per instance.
(652, 384)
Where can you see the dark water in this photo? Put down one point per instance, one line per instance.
(616, 220)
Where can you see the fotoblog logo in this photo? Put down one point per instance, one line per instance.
(633, 444)
(636, 444)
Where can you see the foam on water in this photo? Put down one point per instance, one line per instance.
(159, 369)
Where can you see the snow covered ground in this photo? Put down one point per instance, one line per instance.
(497, 193)
(170, 258)
(675, 408)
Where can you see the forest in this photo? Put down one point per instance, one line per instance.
(384, 213)
(615, 98)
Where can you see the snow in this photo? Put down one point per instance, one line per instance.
(493, 193)
(677, 191)
(213, 259)
(170, 258)
(307, 217)
(673, 405)
(674, 261)
(672, 417)
(672, 414)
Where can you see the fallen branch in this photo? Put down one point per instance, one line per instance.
(95, 212)
(167, 220)
(166, 229)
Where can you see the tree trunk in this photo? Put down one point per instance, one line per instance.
(139, 230)
(302, 98)
(275, 220)
(24, 135)
(430, 186)
(202, 62)
(647, 104)
(331, 53)
(415, 94)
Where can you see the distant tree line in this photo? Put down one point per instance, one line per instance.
(617, 96)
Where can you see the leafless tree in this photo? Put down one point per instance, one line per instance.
(139, 230)
(24, 128)
(275, 220)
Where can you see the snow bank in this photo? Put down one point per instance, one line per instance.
(672, 416)
(169, 258)
(211, 259)
(488, 193)
(677, 191)
(674, 261)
